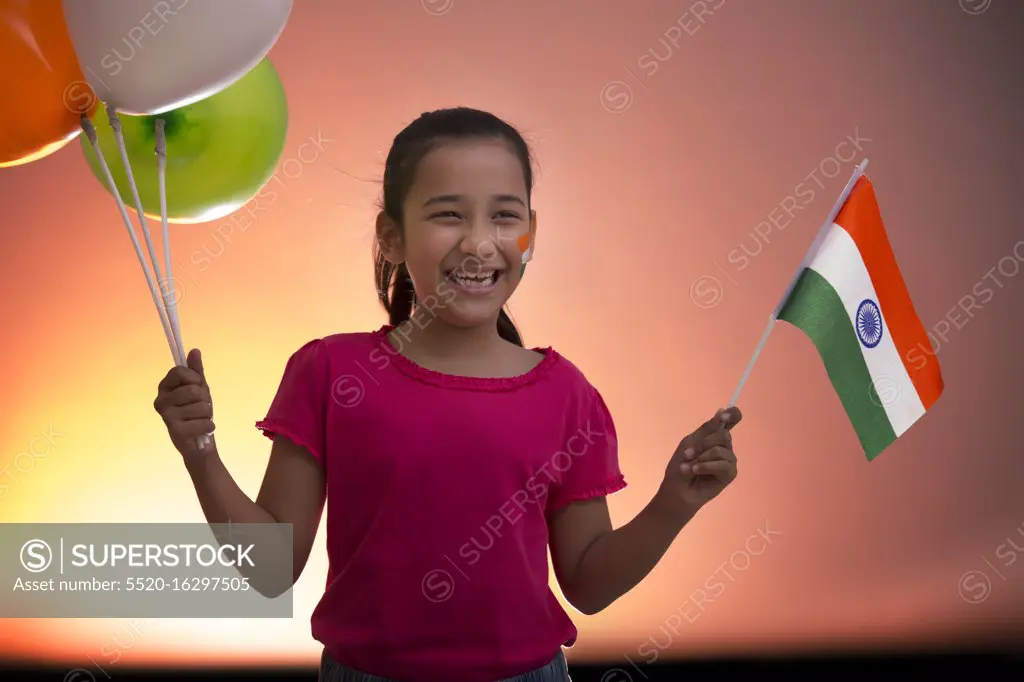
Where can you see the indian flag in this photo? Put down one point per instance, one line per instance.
(850, 299)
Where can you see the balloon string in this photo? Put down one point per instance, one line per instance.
(161, 168)
(90, 133)
(115, 125)
(172, 308)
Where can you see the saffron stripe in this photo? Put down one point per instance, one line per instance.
(839, 262)
(861, 218)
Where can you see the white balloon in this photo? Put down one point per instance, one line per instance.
(150, 56)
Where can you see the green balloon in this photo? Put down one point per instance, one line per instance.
(220, 151)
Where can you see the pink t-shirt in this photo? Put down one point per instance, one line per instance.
(438, 492)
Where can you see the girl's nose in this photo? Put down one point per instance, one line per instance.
(487, 250)
(481, 241)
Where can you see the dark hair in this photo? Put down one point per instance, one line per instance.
(394, 286)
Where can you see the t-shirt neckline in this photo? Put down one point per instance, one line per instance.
(433, 377)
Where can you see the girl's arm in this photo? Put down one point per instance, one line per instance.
(594, 564)
(293, 492)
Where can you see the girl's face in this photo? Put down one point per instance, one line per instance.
(466, 217)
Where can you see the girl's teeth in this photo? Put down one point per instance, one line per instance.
(474, 281)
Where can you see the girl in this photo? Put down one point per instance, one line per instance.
(452, 456)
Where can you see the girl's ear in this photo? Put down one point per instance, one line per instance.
(390, 239)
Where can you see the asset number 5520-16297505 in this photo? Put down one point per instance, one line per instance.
(191, 584)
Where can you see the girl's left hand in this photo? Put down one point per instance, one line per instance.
(702, 466)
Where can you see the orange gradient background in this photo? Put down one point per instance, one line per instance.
(635, 205)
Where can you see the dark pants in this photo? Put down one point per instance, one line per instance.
(332, 671)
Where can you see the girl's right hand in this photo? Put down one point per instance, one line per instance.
(184, 403)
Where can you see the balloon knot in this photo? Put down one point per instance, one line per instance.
(161, 137)
(89, 128)
(115, 121)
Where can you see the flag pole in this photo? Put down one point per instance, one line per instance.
(822, 231)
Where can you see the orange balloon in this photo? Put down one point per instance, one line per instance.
(44, 91)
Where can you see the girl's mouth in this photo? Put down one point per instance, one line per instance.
(475, 282)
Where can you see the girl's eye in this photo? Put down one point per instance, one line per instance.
(445, 214)
(508, 215)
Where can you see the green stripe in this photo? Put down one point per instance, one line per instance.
(816, 309)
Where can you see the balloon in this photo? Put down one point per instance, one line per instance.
(220, 151)
(44, 92)
(146, 57)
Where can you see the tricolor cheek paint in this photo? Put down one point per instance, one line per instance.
(524, 247)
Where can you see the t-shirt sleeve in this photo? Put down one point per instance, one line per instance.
(593, 470)
(298, 410)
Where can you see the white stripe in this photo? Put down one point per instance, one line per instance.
(838, 260)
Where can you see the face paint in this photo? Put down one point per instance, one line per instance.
(524, 246)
